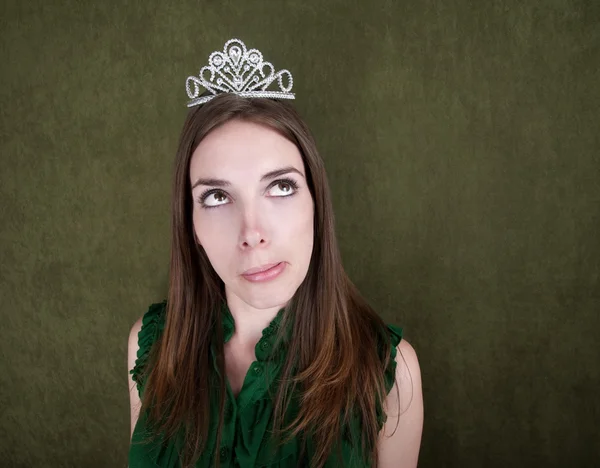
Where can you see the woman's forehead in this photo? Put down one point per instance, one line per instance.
(243, 149)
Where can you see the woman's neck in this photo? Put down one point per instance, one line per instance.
(249, 321)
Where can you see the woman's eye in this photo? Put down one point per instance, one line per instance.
(210, 199)
(285, 187)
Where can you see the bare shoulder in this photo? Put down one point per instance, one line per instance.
(132, 349)
(133, 333)
(400, 438)
(133, 345)
(408, 372)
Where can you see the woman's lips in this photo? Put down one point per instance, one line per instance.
(266, 275)
(260, 269)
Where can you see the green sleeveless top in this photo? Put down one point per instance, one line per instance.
(248, 417)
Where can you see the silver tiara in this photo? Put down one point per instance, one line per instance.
(239, 71)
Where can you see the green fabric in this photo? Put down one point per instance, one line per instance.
(248, 418)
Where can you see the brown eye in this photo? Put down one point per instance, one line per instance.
(286, 186)
(217, 196)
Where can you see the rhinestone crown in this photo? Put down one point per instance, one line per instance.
(239, 71)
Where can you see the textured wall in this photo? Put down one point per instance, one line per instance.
(462, 145)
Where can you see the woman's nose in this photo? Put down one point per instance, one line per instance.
(252, 230)
(252, 239)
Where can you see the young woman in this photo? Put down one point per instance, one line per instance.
(265, 353)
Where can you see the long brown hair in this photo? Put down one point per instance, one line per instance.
(337, 353)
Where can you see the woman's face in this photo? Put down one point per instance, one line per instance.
(245, 218)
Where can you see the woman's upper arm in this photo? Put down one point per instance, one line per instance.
(398, 447)
(132, 349)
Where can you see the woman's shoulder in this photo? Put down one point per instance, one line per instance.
(145, 332)
(403, 357)
(394, 333)
(401, 435)
(393, 339)
(154, 318)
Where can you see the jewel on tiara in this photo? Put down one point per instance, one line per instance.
(239, 71)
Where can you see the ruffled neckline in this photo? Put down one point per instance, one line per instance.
(266, 347)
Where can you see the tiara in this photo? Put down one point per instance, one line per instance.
(238, 71)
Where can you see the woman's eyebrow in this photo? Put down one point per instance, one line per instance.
(225, 183)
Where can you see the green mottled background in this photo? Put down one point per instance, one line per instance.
(461, 140)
